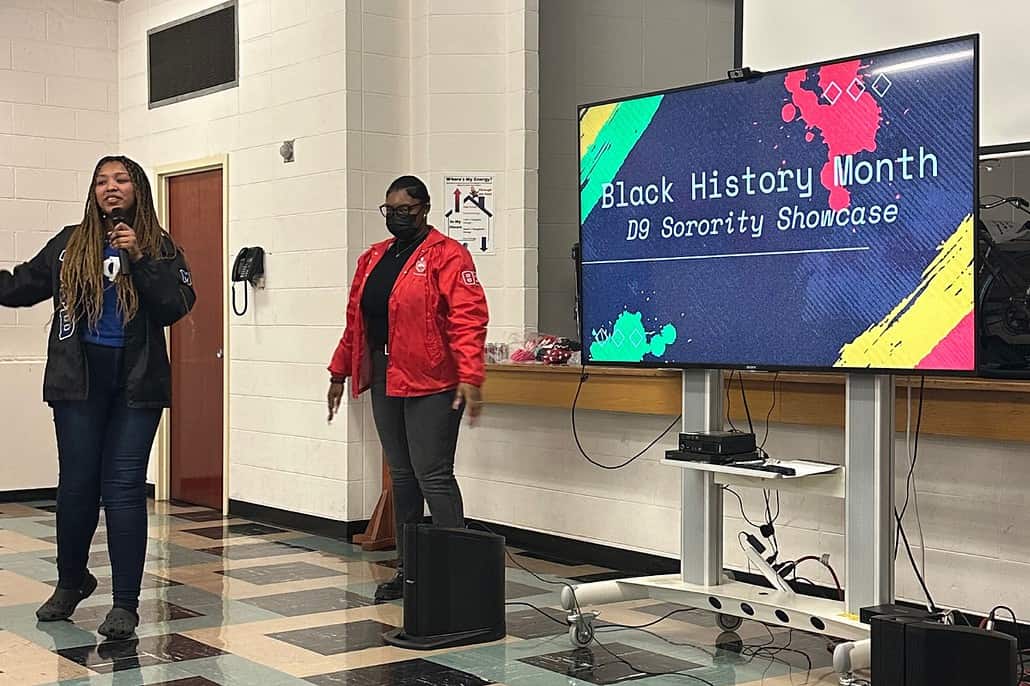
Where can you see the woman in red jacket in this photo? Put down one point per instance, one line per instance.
(415, 335)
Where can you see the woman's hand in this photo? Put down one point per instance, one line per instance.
(124, 238)
(334, 397)
(469, 396)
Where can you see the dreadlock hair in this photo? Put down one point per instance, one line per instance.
(82, 276)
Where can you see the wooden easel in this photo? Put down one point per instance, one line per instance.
(381, 531)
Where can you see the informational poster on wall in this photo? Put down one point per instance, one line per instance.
(470, 212)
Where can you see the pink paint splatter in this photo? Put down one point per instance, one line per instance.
(789, 113)
(955, 351)
(848, 126)
(809, 137)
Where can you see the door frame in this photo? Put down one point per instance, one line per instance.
(163, 481)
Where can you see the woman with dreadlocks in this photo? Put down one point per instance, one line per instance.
(107, 376)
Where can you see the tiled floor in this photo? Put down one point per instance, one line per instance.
(231, 602)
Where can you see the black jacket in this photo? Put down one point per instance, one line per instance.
(166, 295)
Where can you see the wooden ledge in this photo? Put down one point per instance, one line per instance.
(959, 407)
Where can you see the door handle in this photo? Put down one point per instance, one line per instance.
(219, 354)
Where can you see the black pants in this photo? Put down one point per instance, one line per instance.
(419, 436)
(103, 449)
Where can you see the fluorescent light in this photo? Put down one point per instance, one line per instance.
(925, 62)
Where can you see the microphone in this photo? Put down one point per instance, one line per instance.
(125, 266)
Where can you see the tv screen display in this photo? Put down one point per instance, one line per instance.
(820, 217)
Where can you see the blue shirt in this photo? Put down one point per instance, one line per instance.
(110, 330)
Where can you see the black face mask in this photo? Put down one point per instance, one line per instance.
(404, 226)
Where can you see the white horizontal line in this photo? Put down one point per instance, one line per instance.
(738, 254)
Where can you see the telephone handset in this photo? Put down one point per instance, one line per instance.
(250, 267)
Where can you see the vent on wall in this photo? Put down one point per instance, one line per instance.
(193, 56)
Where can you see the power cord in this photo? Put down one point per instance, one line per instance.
(989, 622)
(769, 531)
(901, 536)
(749, 652)
(740, 500)
(747, 408)
(931, 606)
(531, 606)
(914, 458)
(729, 385)
(767, 650)
(680, 673)
(915, 485)
(791, 567)
(521, 566)
(768, 416)
(771, 651)
(576, 606)
(583, 376)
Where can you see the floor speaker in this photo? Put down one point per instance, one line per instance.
(943, 654)
(887, 648)
(453, 588)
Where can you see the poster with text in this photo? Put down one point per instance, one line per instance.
(470, 211)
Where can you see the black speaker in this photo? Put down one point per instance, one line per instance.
(453, 588)
(887, 648)
(943, 654)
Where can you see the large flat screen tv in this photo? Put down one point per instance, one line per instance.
(814, 218)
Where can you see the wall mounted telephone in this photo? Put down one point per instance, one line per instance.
(249, 267)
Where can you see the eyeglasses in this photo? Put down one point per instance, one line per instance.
(387, 210)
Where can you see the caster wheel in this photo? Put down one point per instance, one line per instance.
(580, 635)
(729, 622)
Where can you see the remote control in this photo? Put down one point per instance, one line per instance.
(777, 469)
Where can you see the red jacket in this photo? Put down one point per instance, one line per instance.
(438, 318)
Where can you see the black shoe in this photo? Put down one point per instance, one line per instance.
(63, 602)
(390, 590)
(120, 624)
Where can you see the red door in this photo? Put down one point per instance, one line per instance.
(197, 342)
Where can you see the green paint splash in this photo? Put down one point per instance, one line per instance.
(609, 151)
(629, 341)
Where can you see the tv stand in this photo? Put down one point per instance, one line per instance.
(868, 492)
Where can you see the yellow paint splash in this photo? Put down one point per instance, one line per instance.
(925, 317)
(591, 124)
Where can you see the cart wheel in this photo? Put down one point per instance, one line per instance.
(729, 622)
(581, 634)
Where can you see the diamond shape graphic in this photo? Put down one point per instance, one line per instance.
(617, 339)
(832, 93)
(856, 89)
(635, 339)
(881, 85)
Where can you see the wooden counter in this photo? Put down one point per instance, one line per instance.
(973, 408)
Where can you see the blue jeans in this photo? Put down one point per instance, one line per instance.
(103, 449)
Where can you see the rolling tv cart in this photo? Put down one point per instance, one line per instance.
(866, 483)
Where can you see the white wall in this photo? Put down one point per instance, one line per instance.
(778, 35)
(458, 97)
(58, 115)
(293, 81)
(366, 89)
(592, 51)
(474, 104)
(379, 150)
